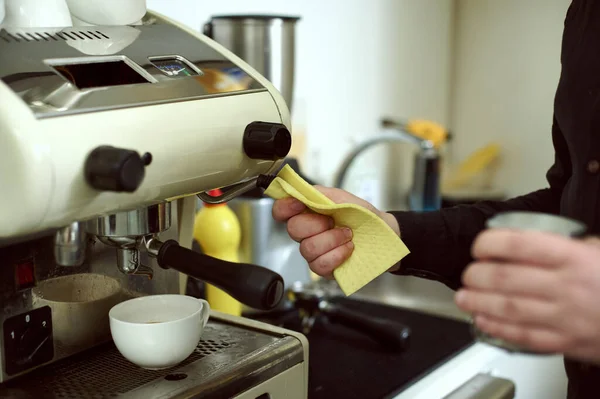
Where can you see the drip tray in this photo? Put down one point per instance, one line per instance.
(228, 360)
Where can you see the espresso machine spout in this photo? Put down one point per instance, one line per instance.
(128, 261)
(128, 255)
(69, 245)
(130, 231)
(125, 232)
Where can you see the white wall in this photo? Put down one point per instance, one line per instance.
(356, 61)
(505, 73)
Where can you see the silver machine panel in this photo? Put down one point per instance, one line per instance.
(75, 70)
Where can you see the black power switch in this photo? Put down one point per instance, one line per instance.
(28, 340)
(267, 141)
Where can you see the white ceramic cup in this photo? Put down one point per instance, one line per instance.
(158, 331)
(107, 12)
(2, 11)
(80, 22)
(37, 14)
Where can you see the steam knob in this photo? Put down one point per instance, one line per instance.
(267, 141)
(115, 169)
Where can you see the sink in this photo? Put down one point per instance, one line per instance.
(412, 293)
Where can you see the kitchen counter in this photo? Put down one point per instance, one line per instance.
(408, 292)
(534, 376)
(344, 363)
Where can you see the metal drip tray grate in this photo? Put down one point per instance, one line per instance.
(104, 373)
(107, 373)
(228, 359)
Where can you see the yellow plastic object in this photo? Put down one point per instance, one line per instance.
(428, 130)
(218, 81)
(376, 246)
(217, 231)
(472, 166)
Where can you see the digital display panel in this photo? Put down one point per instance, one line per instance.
(174, 67)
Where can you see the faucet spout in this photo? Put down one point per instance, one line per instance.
(425, 191)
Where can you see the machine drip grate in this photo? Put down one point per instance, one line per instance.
(104, 373)
(73, 35)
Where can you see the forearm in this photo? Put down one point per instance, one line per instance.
(440, 241)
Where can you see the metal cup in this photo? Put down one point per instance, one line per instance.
(528, 221)
(265, 42)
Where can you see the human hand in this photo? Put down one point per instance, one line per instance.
(537, 290)
(322, 245)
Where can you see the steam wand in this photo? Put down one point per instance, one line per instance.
(262, 181)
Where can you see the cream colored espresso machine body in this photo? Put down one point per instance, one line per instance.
(107, 135)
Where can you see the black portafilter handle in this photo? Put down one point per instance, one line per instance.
(388, 333)
(254, 286)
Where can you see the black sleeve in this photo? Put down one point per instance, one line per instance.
(440, 241)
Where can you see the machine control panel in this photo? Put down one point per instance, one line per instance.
(28, 340)
(175, 66)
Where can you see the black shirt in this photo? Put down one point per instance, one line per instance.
(440, 241)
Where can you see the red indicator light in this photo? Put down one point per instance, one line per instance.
(24, 274)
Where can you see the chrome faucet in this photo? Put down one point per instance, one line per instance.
(425, 190)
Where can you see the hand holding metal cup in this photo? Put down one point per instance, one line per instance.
(528, 221)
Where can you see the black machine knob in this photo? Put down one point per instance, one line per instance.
(32, 340)
(267, 141)
(115, 169)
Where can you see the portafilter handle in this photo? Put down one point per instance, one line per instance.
(388, 333)
(252, 285)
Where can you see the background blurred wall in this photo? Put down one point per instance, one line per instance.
(505, 72)
(486, 68)
(356, 61)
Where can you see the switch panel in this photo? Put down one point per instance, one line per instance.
(28, 340)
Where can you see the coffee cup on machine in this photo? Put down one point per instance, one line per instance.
(157, 332)
(528, 221)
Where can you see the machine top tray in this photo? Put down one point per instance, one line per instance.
(74, 70)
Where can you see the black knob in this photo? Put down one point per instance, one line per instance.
(254, 286)
(115, 169)
(268, 141)
(31, 342)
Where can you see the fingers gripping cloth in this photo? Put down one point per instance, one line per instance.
(376, 246)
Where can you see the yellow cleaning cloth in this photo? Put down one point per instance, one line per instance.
(376, 246)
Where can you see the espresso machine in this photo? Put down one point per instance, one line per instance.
(108, 133)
